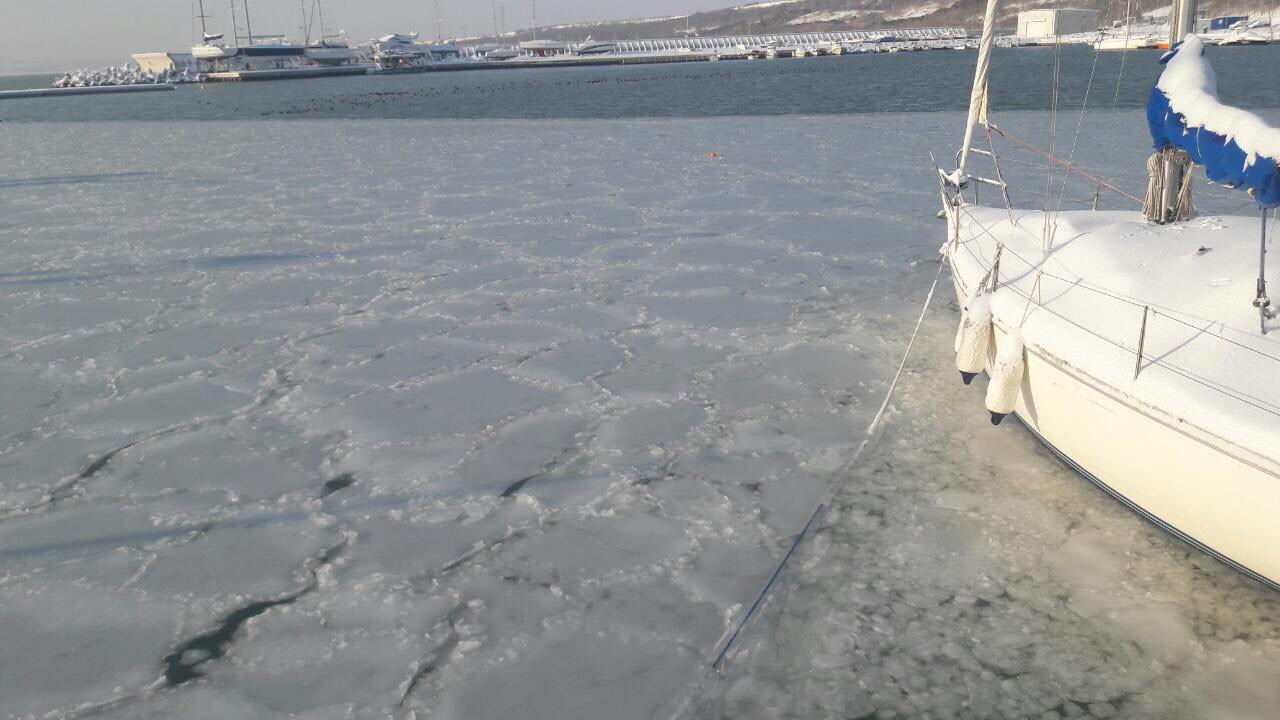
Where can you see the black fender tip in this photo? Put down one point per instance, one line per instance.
(967, 377)
(996, 417)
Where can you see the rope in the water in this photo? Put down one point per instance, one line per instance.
(872, 432)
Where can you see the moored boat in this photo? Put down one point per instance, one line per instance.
(1135, 344)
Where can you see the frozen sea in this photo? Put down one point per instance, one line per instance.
(365, 418)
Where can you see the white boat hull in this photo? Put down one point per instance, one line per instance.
(213, 52)
(1213, 496)
(329, 54)
(1123, 43)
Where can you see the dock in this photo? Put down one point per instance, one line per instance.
(96, 90)
(552, 62)
(286, 73)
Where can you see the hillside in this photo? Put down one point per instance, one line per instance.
(773, 16)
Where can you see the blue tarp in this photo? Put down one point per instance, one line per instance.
(1222, 159)
(1222, 23)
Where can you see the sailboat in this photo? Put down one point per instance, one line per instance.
(251, 52)
(1139, 347)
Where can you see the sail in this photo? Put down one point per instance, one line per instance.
(978, 101)
(1237, 148)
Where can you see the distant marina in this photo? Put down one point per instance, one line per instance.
(247, 56)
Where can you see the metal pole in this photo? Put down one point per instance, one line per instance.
(1262, 302)
(1182, 20)
(320, 8)
(248, 24)
(1142, 341)
(203, 29)
(235, 27)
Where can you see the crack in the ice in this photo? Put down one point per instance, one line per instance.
(182, 665)
(432, 661)
(337, 484)
(67, 487)
(516, 486)
(463, 559)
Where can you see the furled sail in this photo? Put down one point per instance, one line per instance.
(1237, 148)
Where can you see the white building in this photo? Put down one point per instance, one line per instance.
(1052, 22)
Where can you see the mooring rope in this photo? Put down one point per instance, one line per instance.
(761, 597)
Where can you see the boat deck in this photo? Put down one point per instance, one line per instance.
(1114, 286)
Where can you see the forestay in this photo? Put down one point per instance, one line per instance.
(1237, 148)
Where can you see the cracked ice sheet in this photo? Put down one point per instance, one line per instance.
(963, 573)
(523, 428)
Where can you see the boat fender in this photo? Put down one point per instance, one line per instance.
(1006, 376)
(973, 339)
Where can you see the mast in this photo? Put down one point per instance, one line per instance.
(320, 10)
(235, 26)
(535, 20)
(1182, 20)
(248, 24)
(203, 29)
(978, 97)
(304, 27)
(1171, 171)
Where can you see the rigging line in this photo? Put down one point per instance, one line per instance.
(1156, 308)
(1075, 141)
(1053, 141)
(1124, 55)
(1124, 52)
(1004, 186)
(1085, 285)
(1034, 163)
(1186, 374)
(1070, 168)
(872, 434)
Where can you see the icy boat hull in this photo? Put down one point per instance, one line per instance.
(1199, 479)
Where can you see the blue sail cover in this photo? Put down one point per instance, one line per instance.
(1223, 160)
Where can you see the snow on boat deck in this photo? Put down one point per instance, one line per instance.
(1206, 362)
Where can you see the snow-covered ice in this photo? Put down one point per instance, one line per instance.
(520, 427)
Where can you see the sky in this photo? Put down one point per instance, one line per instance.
(39, 35)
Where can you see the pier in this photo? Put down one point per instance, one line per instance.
(286, 73)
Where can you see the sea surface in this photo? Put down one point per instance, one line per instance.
(1022, 79)
(489, 395)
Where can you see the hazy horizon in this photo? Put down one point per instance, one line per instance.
(52, 35)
